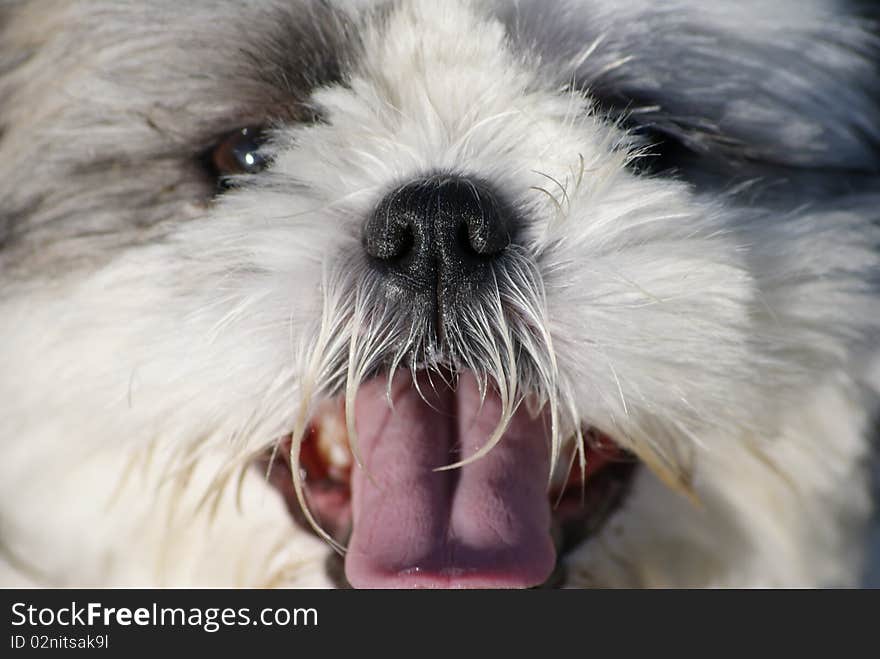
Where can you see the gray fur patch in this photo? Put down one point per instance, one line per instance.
(728, 94)
(116, 121)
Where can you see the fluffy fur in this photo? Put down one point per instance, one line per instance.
(699, 268)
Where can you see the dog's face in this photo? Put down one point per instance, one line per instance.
(494, 294)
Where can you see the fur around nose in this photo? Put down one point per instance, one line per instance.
(439, 234)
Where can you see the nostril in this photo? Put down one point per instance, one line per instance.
(471, 217)
(481, 240)
(466, 242)
(393, 243)
(405, 244)
(389, 234)
(486, 237)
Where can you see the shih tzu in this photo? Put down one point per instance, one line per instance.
(427, 293)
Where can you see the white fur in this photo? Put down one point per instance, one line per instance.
(723, 344)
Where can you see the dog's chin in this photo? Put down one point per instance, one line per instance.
(421, 499)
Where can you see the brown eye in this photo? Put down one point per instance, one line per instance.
(239, 153)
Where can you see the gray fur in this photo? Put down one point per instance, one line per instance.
(793, 105)
(145, 130)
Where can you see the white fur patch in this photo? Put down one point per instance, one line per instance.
(152, 342)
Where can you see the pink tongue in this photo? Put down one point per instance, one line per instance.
(483, 525)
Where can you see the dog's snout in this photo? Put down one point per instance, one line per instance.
(438, 233)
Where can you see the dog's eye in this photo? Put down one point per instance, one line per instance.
(238, 153)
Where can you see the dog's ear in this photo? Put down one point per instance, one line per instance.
(795, 90)
(786, 83)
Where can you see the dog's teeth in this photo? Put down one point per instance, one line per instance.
(332, 437)
(337, 456)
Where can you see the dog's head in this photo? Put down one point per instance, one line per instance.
(479, 286)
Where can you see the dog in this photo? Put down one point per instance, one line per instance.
(427, 294)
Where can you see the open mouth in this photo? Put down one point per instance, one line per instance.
(493, 522)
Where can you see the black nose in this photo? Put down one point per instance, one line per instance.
(440, 234)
